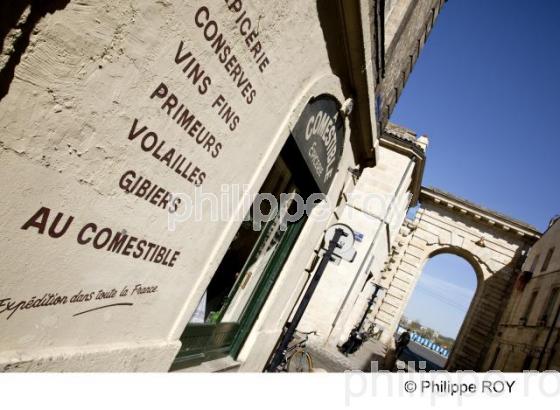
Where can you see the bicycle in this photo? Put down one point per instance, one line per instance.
(357, 339)
(373, 332)
(296, 358)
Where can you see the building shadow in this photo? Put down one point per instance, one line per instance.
(19, 19)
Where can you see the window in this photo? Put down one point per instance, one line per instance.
(547, 259)
(547, 312)
(523, 319)
(535, 262)
(248, 271)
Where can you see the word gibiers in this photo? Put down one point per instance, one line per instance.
(102, 238)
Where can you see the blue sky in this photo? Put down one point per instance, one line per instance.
(486, 90)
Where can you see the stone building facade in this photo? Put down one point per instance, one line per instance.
(528, 335)
(375, 209)
(408, 24)
(493, 244)
(121, 122)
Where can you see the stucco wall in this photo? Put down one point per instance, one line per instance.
(71, 125)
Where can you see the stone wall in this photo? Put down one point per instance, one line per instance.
(528, 335)
(445, 224)
(406, 31)
(375, 209)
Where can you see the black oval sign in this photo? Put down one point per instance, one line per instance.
(319, 134)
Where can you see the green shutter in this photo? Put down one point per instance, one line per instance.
(272, 270)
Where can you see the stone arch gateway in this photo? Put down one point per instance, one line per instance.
(492, 243)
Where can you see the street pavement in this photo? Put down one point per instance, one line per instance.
(332, 361)
(416, 353)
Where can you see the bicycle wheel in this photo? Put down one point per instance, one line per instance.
(300, 362)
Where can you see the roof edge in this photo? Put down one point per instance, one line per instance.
(487, 215)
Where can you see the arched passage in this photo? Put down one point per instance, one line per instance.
(493, 245)
(438, 306)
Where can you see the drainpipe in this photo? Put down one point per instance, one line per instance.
(370, 249)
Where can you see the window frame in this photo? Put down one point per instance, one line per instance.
(529, 307)
(548, 309)
(547, 259)
(535, 262)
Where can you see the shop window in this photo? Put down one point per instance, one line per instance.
(547, 259)
(250, 267)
